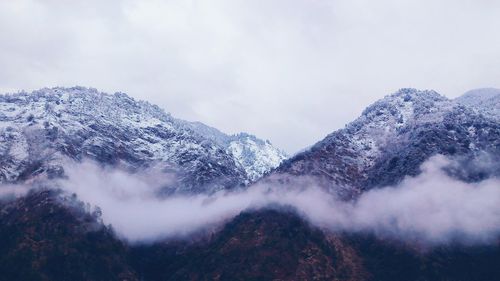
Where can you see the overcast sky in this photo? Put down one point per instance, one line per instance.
(290, 71)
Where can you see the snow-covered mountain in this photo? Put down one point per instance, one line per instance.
(41, 130)
(485, 100)
(393, 137)
(256, 156)
(46, 235)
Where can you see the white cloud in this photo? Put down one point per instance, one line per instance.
(431, 208)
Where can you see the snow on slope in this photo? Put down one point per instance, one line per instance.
(40, 130)
(256, 156)
(485, 100)
(392, 138)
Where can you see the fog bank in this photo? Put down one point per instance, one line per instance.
(430, 208)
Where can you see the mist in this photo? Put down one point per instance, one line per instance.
(431, 208)
(13, 191)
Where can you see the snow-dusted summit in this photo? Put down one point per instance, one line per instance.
(40, 131)
(393, 137)
(256, 156)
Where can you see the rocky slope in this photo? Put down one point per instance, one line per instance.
(393, 137)
(41, 130)
(256, 156)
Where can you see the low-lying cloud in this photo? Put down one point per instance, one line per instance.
(13, 191)
(431, 208)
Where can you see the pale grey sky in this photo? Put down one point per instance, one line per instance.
(290, 71)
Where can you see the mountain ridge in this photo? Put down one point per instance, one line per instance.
(256, 156)
(391, 139)
(50, 238)
(39, 130)
(484, 100)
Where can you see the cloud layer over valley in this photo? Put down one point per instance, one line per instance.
(430, 208)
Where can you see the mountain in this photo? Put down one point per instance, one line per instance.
(269, 244)
(48, 235)
(393, 137)
(41, 130)
(485, 100)
(256, 156)
(46, 238)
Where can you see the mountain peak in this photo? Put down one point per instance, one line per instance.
(41, 130)
(484, 100)
(406, 105)
(256, 156)
(409, 93)
(480, 93)
(80, 122)
(410, 96)
(391, 139)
